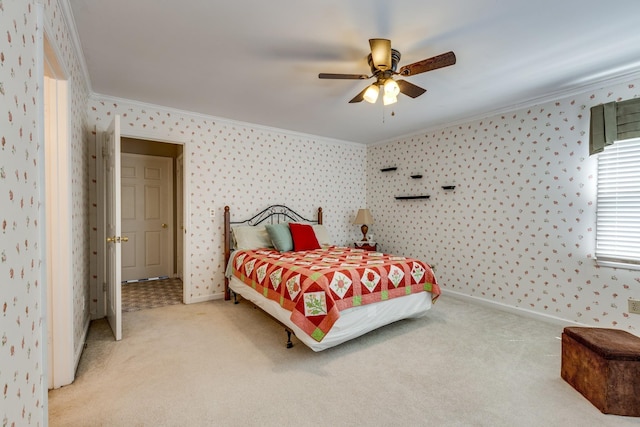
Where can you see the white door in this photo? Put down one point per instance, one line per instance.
(113, 265)
(147, 216)
(179, 215)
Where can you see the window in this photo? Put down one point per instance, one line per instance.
(618, 210)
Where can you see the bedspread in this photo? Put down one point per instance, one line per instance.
(316, 285)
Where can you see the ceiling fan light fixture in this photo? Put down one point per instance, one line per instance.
(389, 99)
(383, 61)
(371, 94)
(391, 88)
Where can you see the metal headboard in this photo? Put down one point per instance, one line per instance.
(274, 214)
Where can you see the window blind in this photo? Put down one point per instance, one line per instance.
(618, 206)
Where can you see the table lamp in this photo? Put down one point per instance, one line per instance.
(364, 217)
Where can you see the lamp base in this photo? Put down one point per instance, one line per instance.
(364, 230)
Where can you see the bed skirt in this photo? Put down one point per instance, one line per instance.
(352, 323)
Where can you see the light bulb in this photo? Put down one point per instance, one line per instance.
(371, 94)
(389, 99)
(391, 88)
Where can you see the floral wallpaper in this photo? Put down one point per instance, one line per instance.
(22, 386)
(519, 227)
(248, 168)
(23, 381)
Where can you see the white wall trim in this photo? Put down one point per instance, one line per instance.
(80, 348)
(511, 309)
(142, 105)
(57, 244)
(67, 14)
(205, 298)
(186, 218)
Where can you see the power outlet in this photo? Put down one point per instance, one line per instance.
(634, 306)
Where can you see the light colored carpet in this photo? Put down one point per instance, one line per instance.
(222, 364)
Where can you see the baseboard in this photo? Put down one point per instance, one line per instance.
(195, 300)
(80, 348)
(511, 309)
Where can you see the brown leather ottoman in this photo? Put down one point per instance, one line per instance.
(603, 365)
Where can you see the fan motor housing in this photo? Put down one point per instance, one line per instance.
(395, 59)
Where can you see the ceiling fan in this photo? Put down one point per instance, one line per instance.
(383, 62)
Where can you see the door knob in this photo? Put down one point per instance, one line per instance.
(164, 225)
(115, 239)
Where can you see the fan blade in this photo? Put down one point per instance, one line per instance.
(343, 76)
(359, 97)
(381, 53)
(429, 64)
(410, 89)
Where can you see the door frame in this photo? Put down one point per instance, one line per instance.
(186, 213)
(179, 199)
(59, 356)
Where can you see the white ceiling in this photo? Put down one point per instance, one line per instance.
(258, 61)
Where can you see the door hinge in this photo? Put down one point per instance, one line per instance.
(104, 287)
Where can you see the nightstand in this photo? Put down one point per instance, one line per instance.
(367, 246)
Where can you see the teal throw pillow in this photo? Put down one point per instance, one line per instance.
(280, 236)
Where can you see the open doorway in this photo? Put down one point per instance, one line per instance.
(109, 146)
(61, 356)
(152, 206)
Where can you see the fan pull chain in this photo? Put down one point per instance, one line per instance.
(393, 113)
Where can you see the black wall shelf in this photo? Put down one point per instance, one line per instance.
(388, 169)
(448, 187)
(411, 197)
(416, 176)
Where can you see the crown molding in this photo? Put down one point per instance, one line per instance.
(67, 15)
(576, 89)
(190, 114)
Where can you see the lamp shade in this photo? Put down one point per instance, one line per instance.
(389, 99)
(391, 88)
(363, 217)
(371, 94)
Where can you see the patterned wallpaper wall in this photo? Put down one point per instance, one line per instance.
(519, 228)
(23, 385)
(247, 168)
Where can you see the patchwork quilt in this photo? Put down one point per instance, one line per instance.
(316, 285)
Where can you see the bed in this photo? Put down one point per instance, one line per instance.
(324, 294)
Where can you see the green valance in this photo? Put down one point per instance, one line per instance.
(613, 121)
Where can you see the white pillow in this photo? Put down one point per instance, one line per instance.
(251, 237)
(322, 235)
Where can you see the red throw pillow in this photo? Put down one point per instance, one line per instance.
(304, 238)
